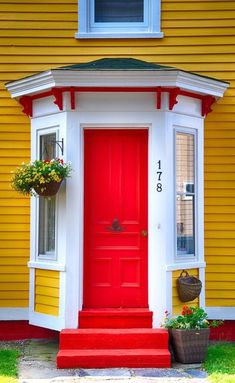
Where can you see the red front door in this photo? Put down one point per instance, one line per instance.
(115, 218)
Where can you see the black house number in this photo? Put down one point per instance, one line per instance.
(159, 177)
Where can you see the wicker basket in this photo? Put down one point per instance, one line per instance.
(189, 346)
(189, 287)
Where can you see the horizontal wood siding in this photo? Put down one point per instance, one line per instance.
(198, 36)
(47, 292)
(177, 304)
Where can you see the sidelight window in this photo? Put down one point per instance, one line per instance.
(185, 194)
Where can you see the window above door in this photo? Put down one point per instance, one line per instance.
(119, 19)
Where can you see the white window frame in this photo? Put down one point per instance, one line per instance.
(149, 28)
(48, 256)
(185, 257)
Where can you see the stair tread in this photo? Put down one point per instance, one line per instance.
(114, 331)
(124, 351)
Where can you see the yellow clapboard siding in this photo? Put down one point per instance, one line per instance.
(220, 277)
(219, 302)
(47, 291)
(13, 261)
(14, 303)
(19, 286)
(198, 36)
(220, 285)
(177, 304)
(45, 309)
(24, 278)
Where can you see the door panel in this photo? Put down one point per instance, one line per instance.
(115, 206)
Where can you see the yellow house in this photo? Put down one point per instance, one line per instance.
(140, 98)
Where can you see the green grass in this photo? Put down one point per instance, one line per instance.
(8, 365)
(220, 363)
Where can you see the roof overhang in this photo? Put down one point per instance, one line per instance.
(187, 81)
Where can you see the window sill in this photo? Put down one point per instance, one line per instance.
(185, 265)
(46, 266)
(118, 35)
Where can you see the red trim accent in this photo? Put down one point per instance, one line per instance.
(173, 93)
(16, 330)
(58, 94)
(26, 102)
(72, 97)
(207, 101)
(159, 97)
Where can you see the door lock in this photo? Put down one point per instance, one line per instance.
(144, 233)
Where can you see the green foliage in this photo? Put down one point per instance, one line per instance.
(190, 318)
(8, 365)
(39, 173)
(220, 363)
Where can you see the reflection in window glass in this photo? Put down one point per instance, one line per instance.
(185, 193)
(47, 206)
(119, 11)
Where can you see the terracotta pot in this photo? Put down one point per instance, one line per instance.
(49, 189)
(189, 346)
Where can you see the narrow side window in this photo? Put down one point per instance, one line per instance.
(47, 206)
(185, 194)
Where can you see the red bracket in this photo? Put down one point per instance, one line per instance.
(159, 97)
(58, 94)
(207, 102)
(173, 93)
(26, 102)
(72, 97)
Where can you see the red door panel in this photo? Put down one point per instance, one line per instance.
(115, 213)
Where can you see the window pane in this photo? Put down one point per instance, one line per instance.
(110, 11)
(47, 206)
(185, 198)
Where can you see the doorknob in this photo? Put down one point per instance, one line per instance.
(144, 233)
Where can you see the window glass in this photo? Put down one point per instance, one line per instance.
(185, 194)
(47, 206)
(119, 11)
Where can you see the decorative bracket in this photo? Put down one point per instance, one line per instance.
(26, 102)
(58, 94)
(173, 93)
(207, 102)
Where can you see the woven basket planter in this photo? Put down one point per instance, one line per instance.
(189, 346)
(49, 189)
(188, 286)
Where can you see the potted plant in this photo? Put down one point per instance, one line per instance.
(189, 334)
(40, 177)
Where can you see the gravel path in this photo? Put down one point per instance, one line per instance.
(37, 365)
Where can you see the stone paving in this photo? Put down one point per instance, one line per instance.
(37, 365)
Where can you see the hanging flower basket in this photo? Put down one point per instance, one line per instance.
(188, 286)
(49, 189)
(41, 177)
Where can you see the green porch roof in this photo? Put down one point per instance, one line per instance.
(116, 64)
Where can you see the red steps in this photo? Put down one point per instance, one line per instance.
(105, 348)
(115, 318)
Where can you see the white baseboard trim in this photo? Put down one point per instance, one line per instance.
(221, 313)
(15, 313)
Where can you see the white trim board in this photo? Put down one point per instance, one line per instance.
(16, 313)
(223, 313)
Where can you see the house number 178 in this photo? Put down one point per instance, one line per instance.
(159, 177)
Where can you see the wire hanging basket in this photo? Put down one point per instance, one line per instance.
(188, 286)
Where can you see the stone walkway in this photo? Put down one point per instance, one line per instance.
(37, 365)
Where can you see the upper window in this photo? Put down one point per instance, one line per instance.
(119, 18)
(185, 194)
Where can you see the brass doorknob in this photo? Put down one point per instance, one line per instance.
(144, 233)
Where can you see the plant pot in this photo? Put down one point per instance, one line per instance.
(189, 346)
(49, 189)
